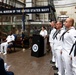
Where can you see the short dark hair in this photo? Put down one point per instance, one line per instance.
(44, 27)
(61, 22)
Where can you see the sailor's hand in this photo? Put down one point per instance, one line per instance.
(61, 52)
(70, 57)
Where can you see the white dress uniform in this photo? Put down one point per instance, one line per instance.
(73, 55)
(68, 41)
(51, 43)
(57, 49)
(44, 34)
(4, 45)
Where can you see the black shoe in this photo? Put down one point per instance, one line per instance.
(52, 62)
(54, 67)
(55, 74)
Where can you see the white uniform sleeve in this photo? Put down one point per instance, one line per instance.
(73, 36)
(51, 35)
(45, 32)
(13, 37)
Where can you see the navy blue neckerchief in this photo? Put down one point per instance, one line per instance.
(74, 45)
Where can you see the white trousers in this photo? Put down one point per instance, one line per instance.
(59, 62)
(55, 56)
(53, 53)
(4, 47)
(74, 65)
(74, 70)
(67, 63)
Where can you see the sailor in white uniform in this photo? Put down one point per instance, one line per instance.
(44, 34)
(51, 39)
(68, 40)
(73, 58)
(8, 41)
(58, 46)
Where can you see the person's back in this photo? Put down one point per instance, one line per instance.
(2, 69)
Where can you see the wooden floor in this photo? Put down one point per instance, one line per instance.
(22, 63)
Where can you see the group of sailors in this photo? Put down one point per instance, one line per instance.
(62, 40)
